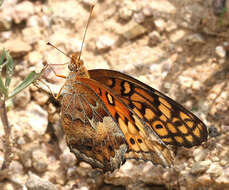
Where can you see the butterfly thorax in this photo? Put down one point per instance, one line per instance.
(77, 70)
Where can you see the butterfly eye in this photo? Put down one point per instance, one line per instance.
(72, 67)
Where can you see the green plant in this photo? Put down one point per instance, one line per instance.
(6, 73)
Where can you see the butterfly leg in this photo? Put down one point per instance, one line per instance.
(59, 93)
(50, 66)
(61, 76)
(57, 75)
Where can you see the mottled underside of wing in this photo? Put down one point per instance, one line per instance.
(91, 133)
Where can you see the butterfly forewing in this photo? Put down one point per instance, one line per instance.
(142, 142)
(169, 120)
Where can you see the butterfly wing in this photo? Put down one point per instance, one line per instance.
(91, 133)
(143, 142)
(169, 120)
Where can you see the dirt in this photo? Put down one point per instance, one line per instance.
(178, 47)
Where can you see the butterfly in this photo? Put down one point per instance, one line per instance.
(109, 117)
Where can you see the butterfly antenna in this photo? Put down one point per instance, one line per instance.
(58, 49)
(84, 36)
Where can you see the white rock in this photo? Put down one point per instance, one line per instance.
(68, 159)
(199, 154)
(33, 21)
(160, 25)
(148, 11)
(17, 175)
(220, 51)
(125, 13)
(186, 82)
(139, 17)
(177, 35)
(16, 167)
(195, 39)
(8, 186)
(201, 166)
(104, 43)
(34, 182)
(215, 170)
(39, 161)
(38, 118)
(23, 10)
(171, 26)
(1, 158)
(196, 85)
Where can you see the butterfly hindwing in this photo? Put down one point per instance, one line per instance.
(91, 133)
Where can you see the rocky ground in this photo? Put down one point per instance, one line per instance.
(178, 47)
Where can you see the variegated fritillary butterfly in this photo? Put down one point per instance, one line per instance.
(109, 117)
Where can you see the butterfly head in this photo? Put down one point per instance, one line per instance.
(77, 65)
(76, 62)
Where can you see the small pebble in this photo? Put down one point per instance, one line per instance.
(40, 97)
(201, 166)
(68, 159)
(220, 51)
(154, 38)
(22, 99)
(195, 39)
(38, 118)
(148, 11)
(215, 170)
(139, 17)
(199, 154)
(104, 43)
(8, 186)
(39, 161)
(34, 182)
(125, 13)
